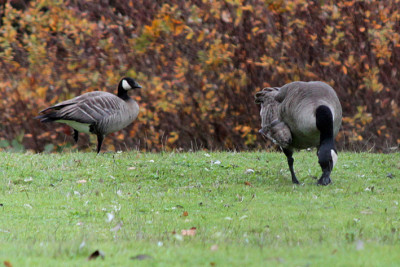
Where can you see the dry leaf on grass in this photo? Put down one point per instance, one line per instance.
(110, 217)
(117, 227)
(248, 183)
(141, 257)
(29, 179)
(185, 213)
(178, 237)
(190, 232)
(359, 245)
(95, 255)
(249, 171)
(7, 264)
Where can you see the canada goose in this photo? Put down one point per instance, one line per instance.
(301, 115)
(96, 112)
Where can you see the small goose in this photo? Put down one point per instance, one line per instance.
(301, 115)
(96, 112)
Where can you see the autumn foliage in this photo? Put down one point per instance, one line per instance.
(200, 63)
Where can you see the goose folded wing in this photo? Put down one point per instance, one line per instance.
(92, 109)
(269, 106)
(73, 101)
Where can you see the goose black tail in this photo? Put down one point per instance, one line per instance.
(50, 117)
(324, 121)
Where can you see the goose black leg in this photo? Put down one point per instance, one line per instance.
(76, 136)
(100, 139)
(290, 160)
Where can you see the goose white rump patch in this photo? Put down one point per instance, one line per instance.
(80, 127)
(334, 157)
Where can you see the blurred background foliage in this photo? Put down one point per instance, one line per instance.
(200, 63)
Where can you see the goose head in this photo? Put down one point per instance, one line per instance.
(129, 84)
(126, 84)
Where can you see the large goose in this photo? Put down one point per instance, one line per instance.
(96, 112)
(301, 115)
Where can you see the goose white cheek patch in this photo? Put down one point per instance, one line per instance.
(126, 85)
(334, 157)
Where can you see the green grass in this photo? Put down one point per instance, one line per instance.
(49, 218)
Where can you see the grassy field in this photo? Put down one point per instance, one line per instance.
(198, 209)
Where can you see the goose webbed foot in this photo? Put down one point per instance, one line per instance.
(290, 160)
(294, 179)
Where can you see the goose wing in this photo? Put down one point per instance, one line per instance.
(73, 101)
(88, 108)
(271, 127)
(269, 106)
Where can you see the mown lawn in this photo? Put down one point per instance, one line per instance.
(198, 209)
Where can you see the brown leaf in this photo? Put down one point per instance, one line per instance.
(7, 264)
(248, 183)
(95, 255)
(185, 213)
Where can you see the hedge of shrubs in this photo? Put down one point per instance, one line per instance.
(200, 63)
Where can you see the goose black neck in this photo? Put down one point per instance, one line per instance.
(324, 121)
(122, 93)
